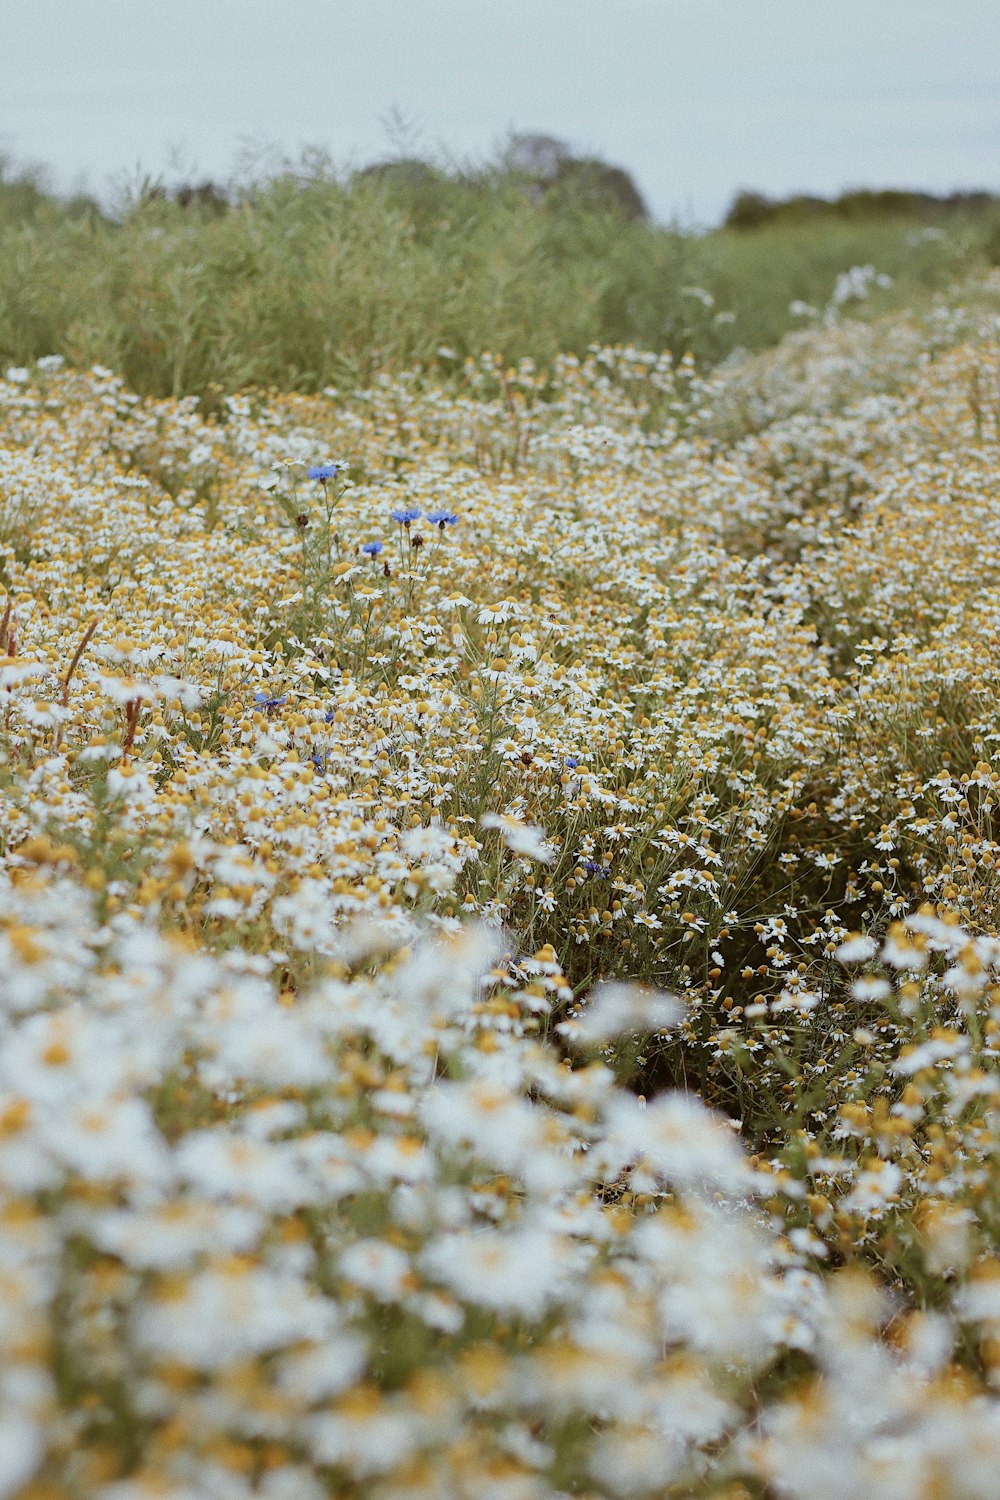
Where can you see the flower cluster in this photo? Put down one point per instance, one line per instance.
(467, 985)
(379, 1232)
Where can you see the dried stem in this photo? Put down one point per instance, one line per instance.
(133, 709)
(76, 658)
(71, 669)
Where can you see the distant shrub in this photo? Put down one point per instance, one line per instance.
(207, 195)
(550, 169)
(25, 198)
(752, 210)
(591, 182)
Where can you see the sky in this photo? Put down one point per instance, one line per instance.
(696, 98)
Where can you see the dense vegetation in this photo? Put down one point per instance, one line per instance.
(498, 861)
(863, 205)
(311, 276)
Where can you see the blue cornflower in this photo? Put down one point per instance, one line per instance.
(329, 716)
(319, 761)
(593, 868)
(442, 518)
(323, 472)
(372, 549)
(572, 761)
(404, 517)
(267, 702)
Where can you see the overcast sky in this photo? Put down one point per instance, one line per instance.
(697, 98)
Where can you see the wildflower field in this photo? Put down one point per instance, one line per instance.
(499, 928)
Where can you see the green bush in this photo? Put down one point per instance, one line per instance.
(312, 277)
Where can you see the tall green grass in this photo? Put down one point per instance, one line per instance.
(313, 277)
(760, 275)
